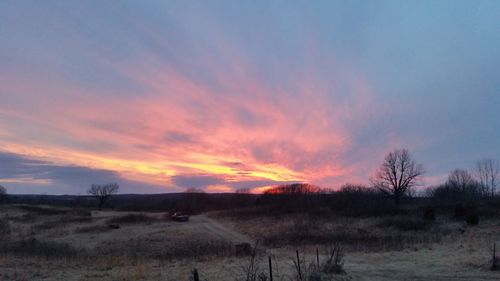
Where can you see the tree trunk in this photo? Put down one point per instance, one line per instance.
(397, 199)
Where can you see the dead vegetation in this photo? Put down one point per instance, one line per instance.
(4, 227)
(139, 249)
(61, 222)
(145, 244)
(35, 248)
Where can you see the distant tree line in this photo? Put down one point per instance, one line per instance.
(393, 183)
(3, 194)
(395, 180)
(464, 185)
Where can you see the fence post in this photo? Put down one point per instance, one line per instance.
(298, 265)
(494, 258)
(317, 256)
(195, 275)
(270, 269)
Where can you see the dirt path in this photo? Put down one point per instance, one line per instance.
(220, 230)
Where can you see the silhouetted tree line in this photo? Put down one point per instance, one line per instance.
(3, 194)
(392, 188)
(460, 186)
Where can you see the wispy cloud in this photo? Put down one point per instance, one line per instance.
(28, 175)
(233, 96)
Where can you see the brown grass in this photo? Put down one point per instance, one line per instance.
(36, 248)
(4, 227)
(142, 249)
(404, 224)
(61, 222)
(379, 249)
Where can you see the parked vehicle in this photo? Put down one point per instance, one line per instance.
(178, 216)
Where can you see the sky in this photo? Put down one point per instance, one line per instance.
(161, 96)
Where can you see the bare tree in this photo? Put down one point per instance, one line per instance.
(103, 192)
(488, 174)
(459, 186)
(460, 180)
(397, 174)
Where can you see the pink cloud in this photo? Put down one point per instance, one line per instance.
(182, 124)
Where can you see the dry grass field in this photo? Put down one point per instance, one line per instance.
(49, 243)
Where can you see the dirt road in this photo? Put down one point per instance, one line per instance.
(220, 230)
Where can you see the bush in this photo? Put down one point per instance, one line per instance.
(335, 262)
(459, 211)
(429, 214)
(472, 218)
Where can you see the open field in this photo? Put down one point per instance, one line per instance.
(49, 243)
(223, 140)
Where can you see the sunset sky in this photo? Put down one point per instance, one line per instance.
(161, 96)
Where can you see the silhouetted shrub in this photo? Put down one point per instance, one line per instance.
(472, 218)
(460, 211)
(460, 187)
(361, 201)
(429, 214)
(335, 260)
(243, 249)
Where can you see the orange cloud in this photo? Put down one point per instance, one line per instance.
(182, 124)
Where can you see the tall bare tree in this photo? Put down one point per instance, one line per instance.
(397, 174)
(488, 174)
(462, 185)
(103, 192)
(460, 180)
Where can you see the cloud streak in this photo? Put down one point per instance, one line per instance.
(225, 96)
(28, 175)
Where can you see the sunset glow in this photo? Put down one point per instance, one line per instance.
(165, 96)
